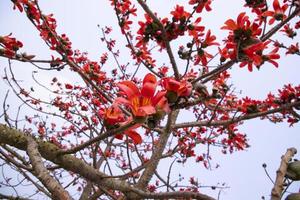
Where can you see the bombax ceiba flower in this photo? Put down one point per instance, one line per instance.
(145, 101)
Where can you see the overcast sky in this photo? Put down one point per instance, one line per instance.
(241, 171)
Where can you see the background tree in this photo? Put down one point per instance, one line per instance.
(107, 133)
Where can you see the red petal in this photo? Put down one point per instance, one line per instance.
(185, 89)
(119, 136)
(273, 62)
(171, 84)
(149, 78)
(129, 88)
(145, 110)
(276, 5)
(137, 139)
(148, 90)
(241, 19)
(159, 95)
(121, 100)
(230, 25)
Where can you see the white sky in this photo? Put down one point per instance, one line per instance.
(241, 171)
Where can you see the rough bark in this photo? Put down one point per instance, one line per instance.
(154, 160)
(55, 188)
(51, 152)
(280, 174)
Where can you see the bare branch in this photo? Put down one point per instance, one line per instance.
(157, 153)
(236, 119)
(280, 174)
(57, 191)
(98, 138)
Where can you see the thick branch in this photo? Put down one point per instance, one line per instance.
(158, 150)
(50, 152)
(280, 174)
(57, 191)
(4, 196)
(176, 195)
(293, 196)
(236, 119)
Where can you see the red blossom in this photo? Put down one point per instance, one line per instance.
(201, 4)
(10, 45)
(181, 88)
(179, 13)
(278, 13)
(293, 49)
(289, 31)
(144, 101)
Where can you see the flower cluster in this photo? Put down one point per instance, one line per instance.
(10, 46)
(145, 105)
(46, 25)
(243, 44)
(124, 10)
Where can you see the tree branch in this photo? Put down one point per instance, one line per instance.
(154, 160)
(280, 174)
(50, 152)
(164, 35)
(236, 119)
(98, 138)
(175, 195)
(57, 191)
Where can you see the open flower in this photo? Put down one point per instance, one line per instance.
(182, 88)
(179, 13)
(278, 13)
(176, 88)
(142, 102)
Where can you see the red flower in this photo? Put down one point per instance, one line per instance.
(289, 31)
(179, 13)
(202, 57)
(278, 13)
(195, 30)
(135, 136)
(209, 40)
(183, 88)
(293, 49)
(241, 22)
(142, 102)
(201, 5)
(10, 44)
(254, 55)
(113, 115)
(93, 70)
(272, 56)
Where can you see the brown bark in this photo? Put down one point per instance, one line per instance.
(280, 174)
(55, 188)
(51, 152)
